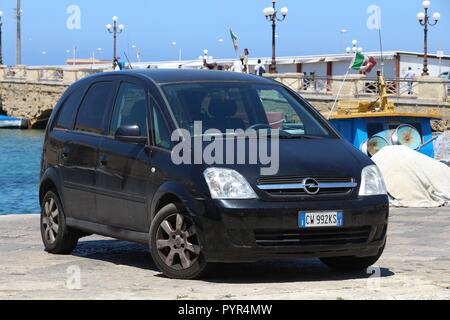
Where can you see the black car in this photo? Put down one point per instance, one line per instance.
(108, 168)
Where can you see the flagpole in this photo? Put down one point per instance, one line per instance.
(339, 92)
(235, 43)
(381, 45)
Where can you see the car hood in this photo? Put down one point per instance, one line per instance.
(333, 158)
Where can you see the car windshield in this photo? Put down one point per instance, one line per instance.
(236, 105)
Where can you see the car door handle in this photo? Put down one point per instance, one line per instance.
(103, 161)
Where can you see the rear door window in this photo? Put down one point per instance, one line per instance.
(92, 113)
(69, 110)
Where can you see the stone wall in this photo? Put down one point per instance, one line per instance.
(33, 101)
(32, 92)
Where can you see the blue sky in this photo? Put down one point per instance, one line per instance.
(312, 27)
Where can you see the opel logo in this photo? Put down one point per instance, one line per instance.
(311, 186)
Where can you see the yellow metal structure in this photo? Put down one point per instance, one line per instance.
(351, 109)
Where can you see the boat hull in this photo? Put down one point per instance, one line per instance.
(357, 130)
(13, 123)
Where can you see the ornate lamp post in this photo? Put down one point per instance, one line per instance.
(115, 29)
(271, 15)
(354, 49)
(425, 21)
(205, 56)
(1, 24)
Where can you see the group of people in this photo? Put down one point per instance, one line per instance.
(240, 65)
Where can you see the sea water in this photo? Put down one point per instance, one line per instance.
(20, 156)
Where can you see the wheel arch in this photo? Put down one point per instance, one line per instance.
(50, 180)
(173, 192)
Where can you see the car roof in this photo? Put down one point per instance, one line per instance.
(165, 76)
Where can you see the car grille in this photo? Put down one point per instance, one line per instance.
(292, 186)
(325, 236)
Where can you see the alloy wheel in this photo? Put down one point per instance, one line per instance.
(177, 242)
(50, 220)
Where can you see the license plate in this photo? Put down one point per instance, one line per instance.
(321, 219)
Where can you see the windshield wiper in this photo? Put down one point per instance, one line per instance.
(283, 135)
(298, 136)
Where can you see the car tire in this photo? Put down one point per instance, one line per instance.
(174, 244)
(352, 264)
(57, 237)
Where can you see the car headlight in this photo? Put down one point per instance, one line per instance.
(372, 182)
(228, 184)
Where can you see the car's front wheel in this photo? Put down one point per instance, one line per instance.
(174, 244)
(352, 264)
(57, 237)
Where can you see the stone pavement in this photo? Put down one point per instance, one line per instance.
(416, 265)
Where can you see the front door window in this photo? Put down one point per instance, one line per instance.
(130, 108)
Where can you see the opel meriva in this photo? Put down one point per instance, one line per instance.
(112, 165)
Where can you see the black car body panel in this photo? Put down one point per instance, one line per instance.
(115, 188)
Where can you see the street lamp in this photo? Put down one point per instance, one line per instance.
(1, 24)
(205, 56)
(271, 15)
(343, 32)
(93, 55)
(424, 21)
(180, 51)
(138, 52)
(354, 49)
(115, 30)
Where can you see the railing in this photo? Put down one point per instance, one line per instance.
(51, 75)
(45, 75)
(397, 87)
(358, 86)
(15, 73)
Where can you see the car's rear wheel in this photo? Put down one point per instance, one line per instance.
(174, 244)
(57, 237)
(352, 264)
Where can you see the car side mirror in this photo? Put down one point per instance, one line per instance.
(130, 133)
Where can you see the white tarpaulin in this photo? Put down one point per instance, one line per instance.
(413, 179)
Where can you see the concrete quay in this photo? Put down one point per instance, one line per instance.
(416, 265)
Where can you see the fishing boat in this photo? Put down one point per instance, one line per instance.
(7, 122)
(372, 125)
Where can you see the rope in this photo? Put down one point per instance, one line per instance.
(338, 94)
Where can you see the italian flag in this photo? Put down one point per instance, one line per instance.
(363, 63)
(234, 38)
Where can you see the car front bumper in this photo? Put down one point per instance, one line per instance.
(253, 230)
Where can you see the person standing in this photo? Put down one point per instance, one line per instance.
(116, 65)
(410, 75)
(245, 62)
(237, 66)
(259, 68)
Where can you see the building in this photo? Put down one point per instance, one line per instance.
(87, 62)
(396, 64)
